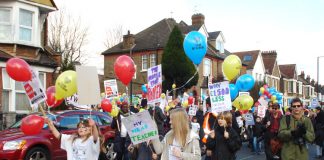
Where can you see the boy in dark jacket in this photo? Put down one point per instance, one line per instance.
(258, 130)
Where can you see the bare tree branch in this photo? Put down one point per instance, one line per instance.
(114, 36)
(67, 36)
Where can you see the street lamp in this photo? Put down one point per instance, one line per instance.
(131, 82)
(318, 76)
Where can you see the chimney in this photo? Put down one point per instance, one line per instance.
(198, 19)
(308, 79)
(128, 40)
(313, 82)
(302, 74)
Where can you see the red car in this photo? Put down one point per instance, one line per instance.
(14, 145)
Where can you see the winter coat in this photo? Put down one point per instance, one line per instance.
(191, 150)
(224, 148)
(258, 129)
(120, 143)
(290, 150)
(159, 118)
(319, 128)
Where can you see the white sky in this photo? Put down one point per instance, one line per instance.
(295, 28)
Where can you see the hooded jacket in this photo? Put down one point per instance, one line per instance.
(191, 150)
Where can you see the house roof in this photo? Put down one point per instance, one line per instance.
(43, 59)
(49, 3)
(269, 60)
(213, 35)
(288, 70)
(302, 80)
(156, 37)
(254, 56)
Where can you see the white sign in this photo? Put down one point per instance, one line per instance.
(34, 90)
(249, 120)
(239, 121)
(88, 85)
(111, 89)
(192, 110)
(73, 101)
(195, 127)
(261, 111)
(314, 103)
(220, 97)
(154, 81)
(140, 127)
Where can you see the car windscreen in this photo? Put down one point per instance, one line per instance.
(18, 123)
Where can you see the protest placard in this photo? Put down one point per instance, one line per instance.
(249, 120)
(244, 93)
(111, 89)
(220, 97)
(140, 127)
(192, 110)
(154, 79)
(262, 107)
(72, 101)
(88, 85)
(34, 90)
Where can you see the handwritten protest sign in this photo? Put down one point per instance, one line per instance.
(154, 79)
(192, 110)
(111, 89)
(220, 97)
(34, 90)
(140, 127)
(262, 107)
(73, 101)
(249, 120)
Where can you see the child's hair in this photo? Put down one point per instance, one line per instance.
(194, 118)
(84, 122)
(227, 116)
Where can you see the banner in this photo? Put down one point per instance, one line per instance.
(111, 89)
(34, 90)
(140, 127)
(220, 97)
(249, 120)
(154, 81)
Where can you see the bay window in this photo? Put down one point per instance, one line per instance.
(25, 25)
(5, 24)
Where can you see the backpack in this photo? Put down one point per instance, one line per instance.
(275, 142)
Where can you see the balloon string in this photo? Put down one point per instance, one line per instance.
(187, 81)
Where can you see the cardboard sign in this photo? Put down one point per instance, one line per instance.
(192, 110)
(220, 97)
(88, 85)
(249, 120)
(34, 90)
(314, 103)
(261, 111)
(140, 127)
(111, 89)
(154, 81)
(73, 101)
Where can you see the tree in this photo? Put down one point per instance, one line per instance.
(114, 36)
(68, 37)
(176, 66)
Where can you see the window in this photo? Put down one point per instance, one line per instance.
(207, 67)
(152, 60)
(22, 101)
(247, 58)
(69, 122)
(144, 62)
(300, 88)
(220, 46)
(5, 24)
(25, 25)
(290, 86)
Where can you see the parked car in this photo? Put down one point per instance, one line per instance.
(16, 145)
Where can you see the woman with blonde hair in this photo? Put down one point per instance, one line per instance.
(180, 142)
(224, 138)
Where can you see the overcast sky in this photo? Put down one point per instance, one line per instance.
(294, 28)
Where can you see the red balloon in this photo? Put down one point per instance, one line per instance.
(244, 111)
(51, 100)
(32, 124)
(124, 69)
(18, 69)
(106, 105)
(143, 95)
(190, 100)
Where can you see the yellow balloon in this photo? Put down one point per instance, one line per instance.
(65, 85)
(141, 110)
(262, 90)
(167, 108)
(185, 104)
(162, 95)
(174, 86)
(273, 98)
(103, 95)
(114, 112)
(231, 67)
(243, 102)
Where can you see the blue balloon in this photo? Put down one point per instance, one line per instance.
(233, 91)
(195, 46)
(121, 99)
(144, 89)
(203, 97)
(252, 109)
(245, 82)
(279, 96)
(190, 94)
(260, 94)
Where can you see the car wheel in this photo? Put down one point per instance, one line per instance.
(37, 153)
(111, 154)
